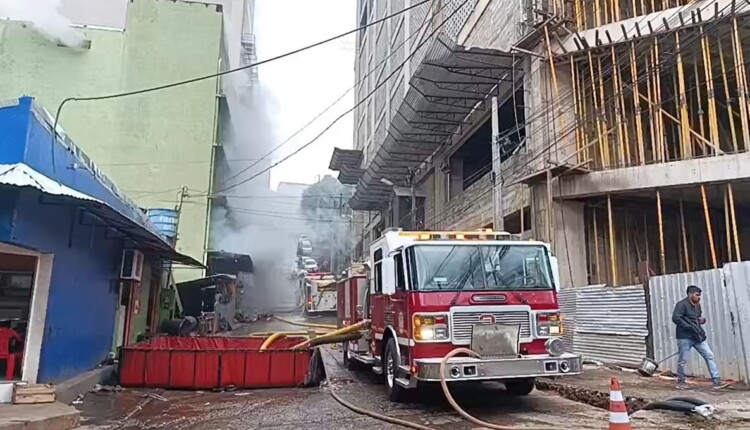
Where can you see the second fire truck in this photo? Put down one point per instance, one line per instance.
(432, 292)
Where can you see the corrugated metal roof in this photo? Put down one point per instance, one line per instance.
(21, 175)
(605, 323)
(447, 84)
(613, 311)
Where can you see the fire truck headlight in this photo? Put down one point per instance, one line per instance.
(426, 333)
(548, 324)
(430, 327)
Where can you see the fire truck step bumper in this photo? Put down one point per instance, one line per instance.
(472, 369)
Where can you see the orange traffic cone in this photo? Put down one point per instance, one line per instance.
(618, 411)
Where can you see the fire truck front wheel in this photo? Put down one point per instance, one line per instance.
(390, 370)
(519, 387)
(350, 363)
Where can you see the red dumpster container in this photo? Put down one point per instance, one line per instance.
(213, 362)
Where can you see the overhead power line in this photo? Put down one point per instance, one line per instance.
(218, 74)
(362, 101)
(373, 69)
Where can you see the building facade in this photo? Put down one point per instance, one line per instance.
(157, 146)
(613, 130)
(81, 263)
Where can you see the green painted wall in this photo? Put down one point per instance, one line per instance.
(153, 144)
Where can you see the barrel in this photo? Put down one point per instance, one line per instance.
(165, 221)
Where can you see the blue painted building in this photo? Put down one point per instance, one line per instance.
(59, 209)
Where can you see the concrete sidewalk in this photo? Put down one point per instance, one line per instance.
(49, 416)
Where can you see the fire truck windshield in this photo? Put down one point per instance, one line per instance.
(483, 267)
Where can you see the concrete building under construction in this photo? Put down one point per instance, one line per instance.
(614, 129)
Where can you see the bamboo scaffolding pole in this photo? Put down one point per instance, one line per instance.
(651, 106)
(684, 238)
(603, 113)
(596, 246)
(659, 118)
(616, 10)
(597, 8)
(728, 96)
(727, 226)
(713, 122)
(627, 246)
(675, 129)
(685, 152)
(579, 15)
(576, 111)
(620, 141)
(736, 236)
(695, 134)
(741, 83)
(699, 114)
(597, 114)
(709, 229)
(553, 71)
(662, 255)
(612, 256)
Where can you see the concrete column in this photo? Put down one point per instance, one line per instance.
(566, 234)
(456, 178)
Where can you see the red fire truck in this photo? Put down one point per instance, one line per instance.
(320, 293)
(491, 292)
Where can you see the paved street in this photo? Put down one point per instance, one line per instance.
(302, 408)
(315, 408)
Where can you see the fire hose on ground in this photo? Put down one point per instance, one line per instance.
(352, 333)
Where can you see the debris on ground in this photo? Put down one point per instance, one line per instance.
(106, 388)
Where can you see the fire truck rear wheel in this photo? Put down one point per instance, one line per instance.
(519, 387)
(390, 371)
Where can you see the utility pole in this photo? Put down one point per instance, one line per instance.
(498, 222)
(413, 200)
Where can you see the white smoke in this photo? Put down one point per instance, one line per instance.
(256, 220)
(45, 17)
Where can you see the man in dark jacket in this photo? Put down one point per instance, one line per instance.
(688, 319)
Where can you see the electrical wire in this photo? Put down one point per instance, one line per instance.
(655, 69)
(348, 111)
(221, 73)
(372, 70)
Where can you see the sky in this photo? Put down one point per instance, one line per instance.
(305, 84)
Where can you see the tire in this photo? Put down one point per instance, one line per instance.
(350, 364)
(519, 387)
(390, 372)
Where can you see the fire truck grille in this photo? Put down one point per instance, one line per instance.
(464, 321)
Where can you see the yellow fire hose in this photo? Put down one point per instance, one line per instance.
(302, 324)
(345, 330)
(287, 333)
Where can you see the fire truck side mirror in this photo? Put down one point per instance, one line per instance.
(555, 266)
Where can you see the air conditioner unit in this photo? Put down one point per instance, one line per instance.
(132, 265)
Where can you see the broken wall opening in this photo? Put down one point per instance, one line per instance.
(672, 230)
(473, 160)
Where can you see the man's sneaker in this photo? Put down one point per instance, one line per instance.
(720, 385)
(681, 386)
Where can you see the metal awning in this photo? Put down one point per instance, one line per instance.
(446, 86)
(348, 162)
(146, 239)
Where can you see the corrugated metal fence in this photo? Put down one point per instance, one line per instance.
(607, 324)
(725, 304)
